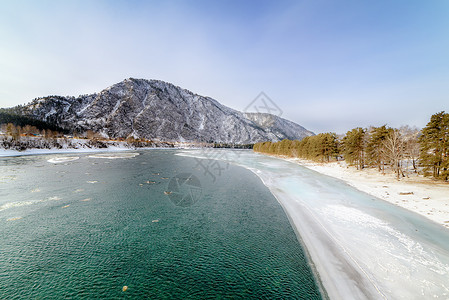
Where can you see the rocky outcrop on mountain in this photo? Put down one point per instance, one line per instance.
(278, 126)
(154, 109)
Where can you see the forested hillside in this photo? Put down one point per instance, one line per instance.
(10, 116)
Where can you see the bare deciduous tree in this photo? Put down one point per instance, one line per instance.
(394, 151)
(411, 144)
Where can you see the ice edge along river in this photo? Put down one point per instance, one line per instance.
(362, 247)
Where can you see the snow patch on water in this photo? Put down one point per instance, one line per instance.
(58, 160)
(114, 155)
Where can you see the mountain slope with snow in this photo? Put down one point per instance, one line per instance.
(154, 109)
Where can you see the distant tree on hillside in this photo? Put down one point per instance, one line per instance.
(13, 131)
(91, 135)
(14, 115)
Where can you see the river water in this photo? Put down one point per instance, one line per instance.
(147, 225)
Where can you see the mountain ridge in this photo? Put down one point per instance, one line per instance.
(154, 109)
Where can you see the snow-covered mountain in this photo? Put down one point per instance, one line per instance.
(154, 109)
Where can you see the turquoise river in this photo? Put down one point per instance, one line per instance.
(148, 226)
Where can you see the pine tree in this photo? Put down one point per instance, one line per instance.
(329, 146)
(375, 146)
(284, 147)
(434, 143)
(354, 147)
(321, 147)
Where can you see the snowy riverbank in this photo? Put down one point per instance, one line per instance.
(8, 152)
(81, 148)
(416, 193)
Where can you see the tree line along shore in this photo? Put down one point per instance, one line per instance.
(20, 138)
(423, 151)
(16, 137)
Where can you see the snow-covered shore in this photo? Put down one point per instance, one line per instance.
(416, 193)
(110, 148)
(362, 251)
(8, 152)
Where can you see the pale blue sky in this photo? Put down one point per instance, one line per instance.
(329, 65)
